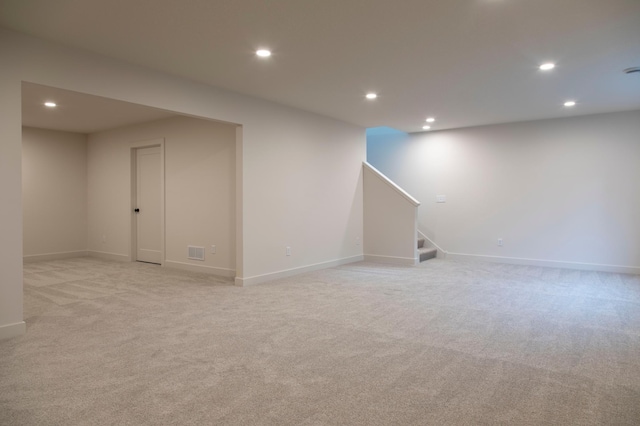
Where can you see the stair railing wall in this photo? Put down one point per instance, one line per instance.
(390, 220)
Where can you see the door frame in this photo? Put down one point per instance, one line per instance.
(133, 234)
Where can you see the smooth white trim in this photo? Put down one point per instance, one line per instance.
(547, 263)
(442, 253)
(392, 259)
(54, 256)
(109, 256)
(12, 330)
(223, 272)
(389, 182)
(259, 279)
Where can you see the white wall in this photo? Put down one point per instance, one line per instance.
(304, 191)
(390, 221)
(199, 158)
(560, 192)
(54, 191)
(11, 322)
(300, 174)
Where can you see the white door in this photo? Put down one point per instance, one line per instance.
(148, 205)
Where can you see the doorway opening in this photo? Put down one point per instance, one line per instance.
(85, 150)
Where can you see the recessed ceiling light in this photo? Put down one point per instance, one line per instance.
(263, 53)
(570, 103)
(426, 127)
(50, 104)
(548, 66)
(371, 96)
(430, 120)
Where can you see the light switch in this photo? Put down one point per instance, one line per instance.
(441, 198)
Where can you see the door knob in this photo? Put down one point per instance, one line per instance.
(136, 210)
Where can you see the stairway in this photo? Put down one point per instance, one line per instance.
(426, 253)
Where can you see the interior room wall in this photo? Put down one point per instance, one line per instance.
(560, 192)
(302, 190)
(199, 158)
(390, 221)
(54, 191)
(11, 321)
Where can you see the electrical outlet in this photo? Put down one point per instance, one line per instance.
(500, 242)
(357, 241)
(288, 251)
(213, 249)
(104, 238)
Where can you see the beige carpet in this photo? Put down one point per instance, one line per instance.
(443, 343)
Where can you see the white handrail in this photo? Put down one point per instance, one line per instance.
(392, 184)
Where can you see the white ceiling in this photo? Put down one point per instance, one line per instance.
(79, 112)
(466, 62)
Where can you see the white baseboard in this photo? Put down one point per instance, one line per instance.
(407, 261)
(12, 330)
(109, 256)
(259, 279)
(223, 272)
(547, 263)
(53, 256)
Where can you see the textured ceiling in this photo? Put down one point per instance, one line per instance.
(466, 62)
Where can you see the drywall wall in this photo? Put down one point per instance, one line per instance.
(390, 221)
(301, 190)
(199, 198)
(11, 321)
(300, 180)
(560, 192)
(54, 191)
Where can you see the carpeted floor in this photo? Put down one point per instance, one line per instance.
(443, 343)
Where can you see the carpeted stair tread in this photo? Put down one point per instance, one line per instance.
(427, 253)
(420, 243)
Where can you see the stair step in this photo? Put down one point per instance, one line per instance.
(427, 253)
(420, 242)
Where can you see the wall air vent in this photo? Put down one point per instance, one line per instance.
(196, 253)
